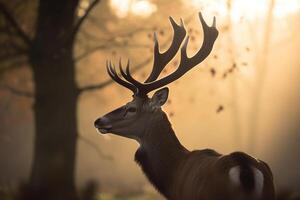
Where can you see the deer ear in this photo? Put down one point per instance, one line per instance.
(160, 97)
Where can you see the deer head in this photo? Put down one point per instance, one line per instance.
(133, 118)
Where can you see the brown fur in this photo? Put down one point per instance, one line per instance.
(198, 175)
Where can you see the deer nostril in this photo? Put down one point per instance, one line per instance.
(97, 123)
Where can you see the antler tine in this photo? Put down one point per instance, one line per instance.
(162, 59)
(113, 74)
(121, 69)
(128, 76)
(210, 35)
(131, 79)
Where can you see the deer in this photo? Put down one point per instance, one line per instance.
(176, 172)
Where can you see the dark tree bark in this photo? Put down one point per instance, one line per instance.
(51, 57)
(50, 54)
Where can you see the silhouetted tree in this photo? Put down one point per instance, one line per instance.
(50, 52)
(47, 46)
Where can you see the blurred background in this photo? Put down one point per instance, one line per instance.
(53, 85)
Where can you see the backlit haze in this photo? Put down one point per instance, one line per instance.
(244, 97)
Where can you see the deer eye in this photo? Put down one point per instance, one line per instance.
(130, 110)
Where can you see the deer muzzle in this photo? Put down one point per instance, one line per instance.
(103, 125)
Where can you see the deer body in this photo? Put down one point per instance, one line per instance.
(175, 172)
(179, 174)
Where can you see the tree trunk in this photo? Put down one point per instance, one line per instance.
(53, 167)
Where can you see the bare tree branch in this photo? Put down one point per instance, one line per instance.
(91, 51)
(82, 19)
(98, 24)
(108, 46)
(112, 35)
(12, 21)
(13, 65)
(12, 49)
(17, 92)
(4, 56)
(109, 42)
(95, 147)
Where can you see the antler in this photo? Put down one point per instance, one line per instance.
(113, 74)
(162, 59)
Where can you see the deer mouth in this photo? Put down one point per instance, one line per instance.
(103, 125)
(104, 129)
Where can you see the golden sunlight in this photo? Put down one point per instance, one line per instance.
(246, 9)
(83, 5)
(123, 8)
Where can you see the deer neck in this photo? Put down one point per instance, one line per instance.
(160, 153)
